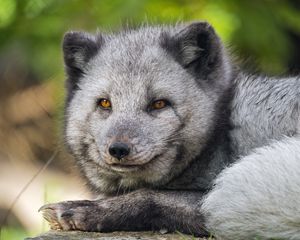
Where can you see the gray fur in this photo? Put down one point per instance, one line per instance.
(259, 195)
(264, 109)
(131, 69)
(215, 116)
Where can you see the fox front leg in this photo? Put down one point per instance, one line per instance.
(137, 211)
(98, 216)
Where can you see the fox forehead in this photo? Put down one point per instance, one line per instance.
(151, 72)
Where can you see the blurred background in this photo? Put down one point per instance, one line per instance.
(264, 33)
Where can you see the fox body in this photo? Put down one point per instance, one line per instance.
(175, 136)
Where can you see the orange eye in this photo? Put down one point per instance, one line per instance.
(104, 103)
(159, 104)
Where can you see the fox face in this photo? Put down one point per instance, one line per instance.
(141, 103)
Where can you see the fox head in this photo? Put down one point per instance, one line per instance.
(141, 103)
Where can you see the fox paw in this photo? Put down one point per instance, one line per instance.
(70, 215)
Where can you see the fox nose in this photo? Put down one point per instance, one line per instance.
(119, 150)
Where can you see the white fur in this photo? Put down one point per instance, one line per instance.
(259, 196)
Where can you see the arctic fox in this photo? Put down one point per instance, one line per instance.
(175, 136)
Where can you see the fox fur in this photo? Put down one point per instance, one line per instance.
(221, 156)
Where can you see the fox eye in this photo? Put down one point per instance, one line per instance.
(104, 103)
(159, 104)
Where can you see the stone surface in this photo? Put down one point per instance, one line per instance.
(76, 235)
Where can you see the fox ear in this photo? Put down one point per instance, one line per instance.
(196, 47)
(78, 49)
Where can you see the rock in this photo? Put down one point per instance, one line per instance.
(76, 235)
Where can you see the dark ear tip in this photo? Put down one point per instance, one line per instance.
(71, 37)
(71, 34)
(202, 25)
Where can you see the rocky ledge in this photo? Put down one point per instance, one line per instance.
(76, 235)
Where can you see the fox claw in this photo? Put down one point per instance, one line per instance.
(49, 213)
(65, 215)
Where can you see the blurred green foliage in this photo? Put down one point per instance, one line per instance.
(256, 28)
(266, 33)
(13, 233)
